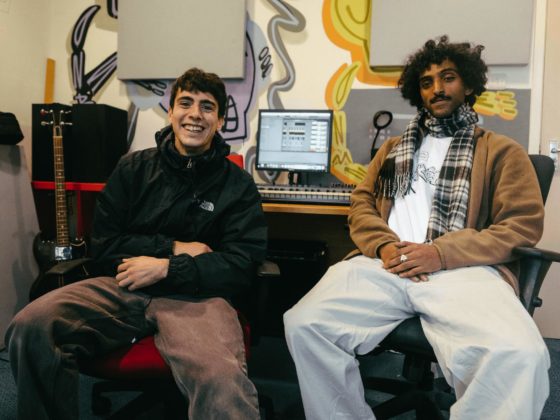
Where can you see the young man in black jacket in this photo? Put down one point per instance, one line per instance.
(178, 231)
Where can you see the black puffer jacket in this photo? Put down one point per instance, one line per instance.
(156, 196)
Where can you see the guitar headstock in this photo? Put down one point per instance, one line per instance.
(56, 119)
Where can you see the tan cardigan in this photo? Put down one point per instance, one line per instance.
(505, 209)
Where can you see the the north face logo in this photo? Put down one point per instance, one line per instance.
(207, 205)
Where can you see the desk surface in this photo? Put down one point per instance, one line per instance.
(305, 208)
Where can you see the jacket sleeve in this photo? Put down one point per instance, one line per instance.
(230, 268)
(368, 226)
(515, 216)
(110, 240)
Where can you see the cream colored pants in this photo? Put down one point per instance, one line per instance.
(487, 345)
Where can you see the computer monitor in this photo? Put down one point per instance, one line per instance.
(294, 140)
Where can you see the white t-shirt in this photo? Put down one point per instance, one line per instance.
(410, 214)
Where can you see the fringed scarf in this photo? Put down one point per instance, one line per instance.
(449, 205)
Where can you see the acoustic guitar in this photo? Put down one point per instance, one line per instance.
(61, 261)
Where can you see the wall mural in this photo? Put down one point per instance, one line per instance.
(347, 25)
(289, 19)
(146, 94)
(86, 85)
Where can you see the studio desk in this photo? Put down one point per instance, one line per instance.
(312, 222)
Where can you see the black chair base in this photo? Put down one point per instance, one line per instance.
(429, 404)
(415, 389)
(166, 393)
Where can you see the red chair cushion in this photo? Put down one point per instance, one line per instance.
(142, 360)
(237, 159)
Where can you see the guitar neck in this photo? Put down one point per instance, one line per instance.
(62, 238)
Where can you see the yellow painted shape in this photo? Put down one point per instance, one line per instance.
(347, 24)
(340, 86)
(501, 103)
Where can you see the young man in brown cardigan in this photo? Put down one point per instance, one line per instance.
(435, 222)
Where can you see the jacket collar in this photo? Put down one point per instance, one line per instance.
(207, 161)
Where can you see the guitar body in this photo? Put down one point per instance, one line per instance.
(44, 251)
(57, 273)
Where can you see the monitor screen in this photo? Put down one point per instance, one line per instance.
(294, 140)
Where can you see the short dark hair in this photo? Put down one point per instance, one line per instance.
(465, 56)
(197, 80)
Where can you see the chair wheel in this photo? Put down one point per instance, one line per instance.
(101, 406)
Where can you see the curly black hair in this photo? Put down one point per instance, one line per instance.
(467, 58)
(196, 80)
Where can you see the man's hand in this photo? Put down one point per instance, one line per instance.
(421, 260)
(137, 272)
(391, 252)
(387, 252)
(191, 248)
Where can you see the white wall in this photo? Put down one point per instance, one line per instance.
(24, 53)
(22, 75)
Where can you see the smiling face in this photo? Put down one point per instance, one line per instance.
(442, 89)
(194, 118)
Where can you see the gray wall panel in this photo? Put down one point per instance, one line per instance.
(160, 40)
(400, 27)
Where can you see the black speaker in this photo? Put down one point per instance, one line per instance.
(42, 166)
(99, 136)
(92, 145)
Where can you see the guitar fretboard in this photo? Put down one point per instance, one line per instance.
(60, 193)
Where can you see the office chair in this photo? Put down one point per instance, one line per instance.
(418, 390)
(140, 367)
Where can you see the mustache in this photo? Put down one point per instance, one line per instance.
(439, 97)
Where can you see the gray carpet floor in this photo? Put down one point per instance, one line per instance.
(272, 370)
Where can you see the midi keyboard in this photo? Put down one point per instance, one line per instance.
(305, 194)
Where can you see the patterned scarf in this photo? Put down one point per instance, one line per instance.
(449, 205)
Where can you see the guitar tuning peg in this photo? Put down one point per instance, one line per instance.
(65, 123)
(45, 111)
(46, 123)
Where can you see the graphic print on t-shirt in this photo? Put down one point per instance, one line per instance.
(427, 174)
(410, 213)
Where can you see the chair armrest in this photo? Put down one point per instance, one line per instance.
(65, 267)
(534, 266)
(525, 251)
(268, 269)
